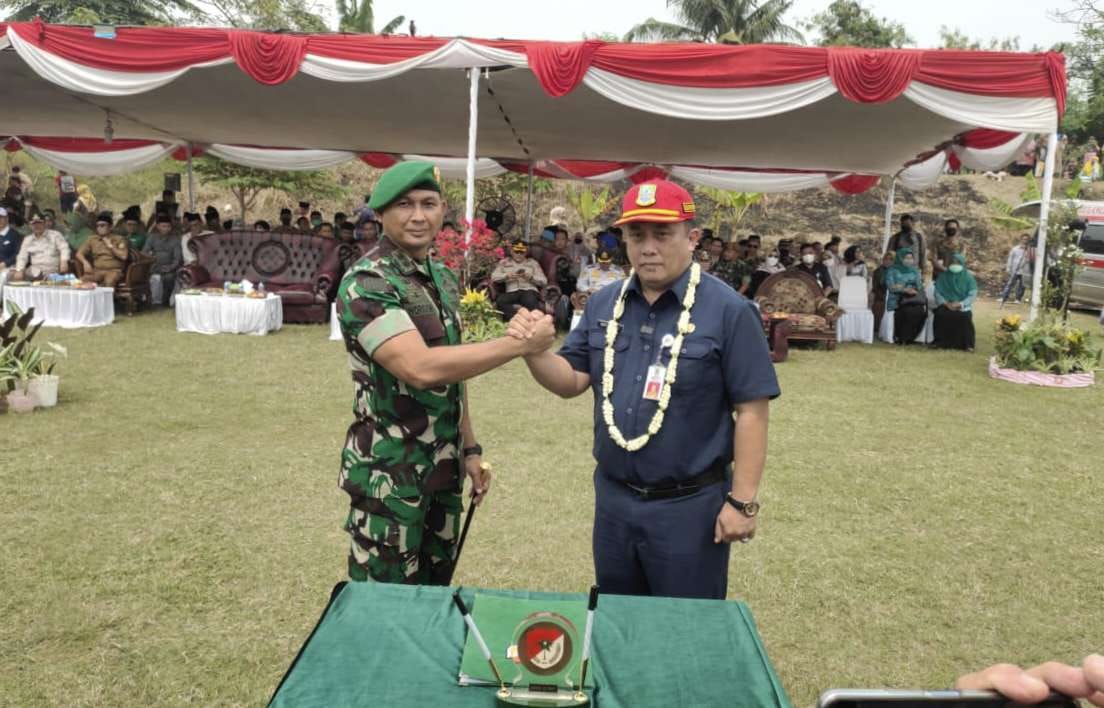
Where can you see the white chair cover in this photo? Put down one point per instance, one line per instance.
(856, 324)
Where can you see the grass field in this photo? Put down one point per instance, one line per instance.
(171, 531)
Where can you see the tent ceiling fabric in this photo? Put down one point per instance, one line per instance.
(814, 109)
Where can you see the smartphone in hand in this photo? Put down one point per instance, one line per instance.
(891, 698)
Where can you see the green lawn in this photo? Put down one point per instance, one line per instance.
(171, 531)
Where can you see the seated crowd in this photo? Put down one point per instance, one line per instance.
(896, 286)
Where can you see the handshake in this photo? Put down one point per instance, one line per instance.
(533, 329)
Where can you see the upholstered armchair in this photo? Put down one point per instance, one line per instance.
(811, 316)
(297, 267)
(134, 288)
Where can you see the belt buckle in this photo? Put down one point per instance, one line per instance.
(641, 492)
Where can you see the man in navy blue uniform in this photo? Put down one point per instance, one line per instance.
(682, 379)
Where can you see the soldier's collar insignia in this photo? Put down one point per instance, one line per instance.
(646, 196)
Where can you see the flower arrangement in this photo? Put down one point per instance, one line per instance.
(1048, 345)
(472, 260)
(481, 320)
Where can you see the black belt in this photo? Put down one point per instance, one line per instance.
(714, 474)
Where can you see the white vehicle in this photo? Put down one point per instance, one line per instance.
(1088, 284)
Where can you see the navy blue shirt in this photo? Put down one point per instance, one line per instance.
(725, 361)
(9, 246)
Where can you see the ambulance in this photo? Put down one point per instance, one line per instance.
(1088, 284)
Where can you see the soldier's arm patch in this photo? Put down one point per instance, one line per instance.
(371, 312)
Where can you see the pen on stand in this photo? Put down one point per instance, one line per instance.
(479, 639)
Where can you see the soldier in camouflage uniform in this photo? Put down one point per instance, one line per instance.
(412, 433)
(733, 270)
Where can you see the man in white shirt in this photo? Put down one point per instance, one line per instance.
(43, 253)
(600, 274)
(195, 228)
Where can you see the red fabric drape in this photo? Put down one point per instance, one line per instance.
(984, 138)
(560, 66)
(379, 160)
(712, 65)
(997, 73)
(953, 162)
(868, 76)
(590, 168)
(854, 184)
(523, 168)
(648, 173)
(12, 145)
(268, 58)
(181, 153)
(137, 49)
(84, 144)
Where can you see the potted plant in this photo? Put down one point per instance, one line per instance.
(27, 369)
(17, 372)
(43, 385)
(1046, 352)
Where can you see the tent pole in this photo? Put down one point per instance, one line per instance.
(889, 214)
(1044, 215)
(191, 179)
(529, 204)
(473, 131)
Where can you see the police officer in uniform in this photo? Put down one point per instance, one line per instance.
(104, 254)
(412, 437)
(682, 379)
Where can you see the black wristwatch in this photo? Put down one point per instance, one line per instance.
(474, 450)
(749, 509)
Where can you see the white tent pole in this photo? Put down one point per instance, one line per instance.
(889, 214)
(191, 179)
(473, 131)
(1044, 215)
(529, 204)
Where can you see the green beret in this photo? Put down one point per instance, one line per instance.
(400, 179)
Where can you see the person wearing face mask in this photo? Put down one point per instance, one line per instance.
(909, 237)
(809, 266)
(771, 264)
(316, 221)
(905, 297)
(878, 286)
(944, 252)
(955, 292)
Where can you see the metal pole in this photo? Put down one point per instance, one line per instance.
(529, 205)
(1044, 215)
(889, 214)
(473, 131)
(191, 179)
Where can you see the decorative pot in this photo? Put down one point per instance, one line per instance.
(44, 390)
(20, 402)
(1041, 378)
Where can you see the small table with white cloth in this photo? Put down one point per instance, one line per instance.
(232, 314)
(65, 307)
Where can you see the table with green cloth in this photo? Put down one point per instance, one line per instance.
(400, 645)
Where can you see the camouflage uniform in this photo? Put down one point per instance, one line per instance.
(736, 273)
(401, 461)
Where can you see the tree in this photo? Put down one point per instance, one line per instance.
(849, 23)
(295, 15)
(247, 183)
(1085, 65)
(956, 39)
(589, 202)
(113, 12)
(357, 16)
(724, 21)
(735, 204)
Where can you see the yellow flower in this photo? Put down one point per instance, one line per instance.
(474, 297)
(1075, 336)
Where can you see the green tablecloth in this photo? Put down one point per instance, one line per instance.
(396, 646)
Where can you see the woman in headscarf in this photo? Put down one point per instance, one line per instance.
(955, 291)
(771, 264)
(86, 200)
(905, 297)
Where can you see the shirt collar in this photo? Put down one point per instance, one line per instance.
(678, 288)
(401, 259)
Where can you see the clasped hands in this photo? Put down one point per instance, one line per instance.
(534, 329)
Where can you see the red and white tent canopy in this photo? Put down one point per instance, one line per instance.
(833, 111)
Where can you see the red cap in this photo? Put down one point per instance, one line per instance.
(656, 200)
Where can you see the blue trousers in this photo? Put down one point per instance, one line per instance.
(660, 547)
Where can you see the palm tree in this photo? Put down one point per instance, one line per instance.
(724, 21)
(357, 16)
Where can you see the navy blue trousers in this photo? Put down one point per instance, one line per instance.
(660, 547)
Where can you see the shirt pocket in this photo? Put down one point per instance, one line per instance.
(596, 342)
(694, 364)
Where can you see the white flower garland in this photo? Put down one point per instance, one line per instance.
(684, 328)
